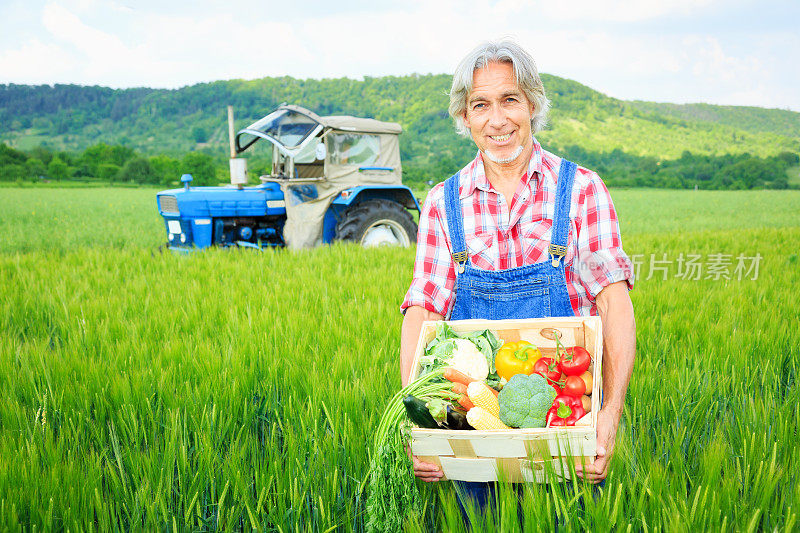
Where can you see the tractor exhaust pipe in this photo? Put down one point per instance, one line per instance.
(238, 165)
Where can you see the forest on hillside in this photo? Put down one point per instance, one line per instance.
(67, 132)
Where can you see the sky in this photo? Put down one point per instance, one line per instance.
(735, 52)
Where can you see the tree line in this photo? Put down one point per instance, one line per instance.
(104, 163)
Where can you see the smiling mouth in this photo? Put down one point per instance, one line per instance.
(500, 138)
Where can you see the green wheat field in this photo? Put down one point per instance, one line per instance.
(236, 390)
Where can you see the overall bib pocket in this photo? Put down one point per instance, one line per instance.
(497, 300)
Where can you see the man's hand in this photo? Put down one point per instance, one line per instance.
(607, 423)
(425, 471)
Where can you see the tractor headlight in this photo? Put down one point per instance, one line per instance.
(183, 238)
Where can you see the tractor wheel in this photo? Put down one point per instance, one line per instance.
(377, 223)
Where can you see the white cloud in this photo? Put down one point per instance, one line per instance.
(617, 10)
(710, 62)
(108, 43)
(603, 52)
(35, 62)
(67, 27)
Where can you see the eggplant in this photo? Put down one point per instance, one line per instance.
(456, 419)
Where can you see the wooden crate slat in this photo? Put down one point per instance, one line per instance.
(499, 447)
(431, 446)
(509, 335)
(464, 469)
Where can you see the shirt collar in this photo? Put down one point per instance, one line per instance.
(476, 173)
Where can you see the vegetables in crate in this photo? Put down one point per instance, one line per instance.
(418, 412)
(588, 380)
(565, 411)
(575, 361)
(445, 415)
(451, 374)
(524, 401)
(467, 359)
(465, 402)
(516, 358)
(481, 419)
(549, 368)
(481, 396)
(448, 349)
(456, 419)
(574, 386)
(460, 381)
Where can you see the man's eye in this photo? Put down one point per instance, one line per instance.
(479, 106)
(511, 99)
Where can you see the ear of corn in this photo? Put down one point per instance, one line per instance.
(481, 396)
(481, 419)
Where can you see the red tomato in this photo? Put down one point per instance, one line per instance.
(574, 386)
(549, 368)
(576, 361)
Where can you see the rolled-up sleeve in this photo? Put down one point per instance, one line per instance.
(601, 259)
(434, 272)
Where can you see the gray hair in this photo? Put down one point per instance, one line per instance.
(528, 80)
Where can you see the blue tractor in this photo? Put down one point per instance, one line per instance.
(332, 178)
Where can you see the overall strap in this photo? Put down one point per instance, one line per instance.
(558, 241)
(455, 221)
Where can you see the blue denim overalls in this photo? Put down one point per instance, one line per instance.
(529, 291)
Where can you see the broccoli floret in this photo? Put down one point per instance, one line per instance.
(525, 400)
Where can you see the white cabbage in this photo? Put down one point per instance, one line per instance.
(468, 359)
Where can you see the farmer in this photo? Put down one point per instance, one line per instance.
(520, 233)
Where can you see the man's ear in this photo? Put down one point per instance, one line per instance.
(464, 118)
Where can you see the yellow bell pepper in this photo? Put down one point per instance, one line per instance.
(516, 358)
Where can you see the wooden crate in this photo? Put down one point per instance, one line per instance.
(518, 454)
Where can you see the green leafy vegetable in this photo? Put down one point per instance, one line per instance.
(493, 380)
(441, 348)
(438, 409)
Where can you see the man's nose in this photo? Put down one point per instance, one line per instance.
(497, 117)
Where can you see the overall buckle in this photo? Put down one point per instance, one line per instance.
(460, 258)
(557, 253)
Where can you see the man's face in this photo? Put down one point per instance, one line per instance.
(498, 114)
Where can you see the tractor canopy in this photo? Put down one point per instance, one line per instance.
(342, 149)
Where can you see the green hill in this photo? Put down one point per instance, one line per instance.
(752, 119)
(585, 125)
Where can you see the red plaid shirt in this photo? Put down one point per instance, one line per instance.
(498, 238)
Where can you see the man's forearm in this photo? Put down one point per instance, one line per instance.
(409, 336)
(619, 335)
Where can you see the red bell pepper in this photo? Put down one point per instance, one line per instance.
(566, 410)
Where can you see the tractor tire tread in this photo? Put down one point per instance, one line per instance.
(354, 220)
